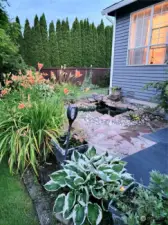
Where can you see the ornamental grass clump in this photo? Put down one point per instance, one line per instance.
(86, 184)
(26, 130)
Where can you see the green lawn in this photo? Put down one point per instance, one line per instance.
(15, 205)
(89, 93)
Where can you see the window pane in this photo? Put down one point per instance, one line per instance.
(158, 55)
(137, 56)
(139, 29)
(160, 20)
(165, 7)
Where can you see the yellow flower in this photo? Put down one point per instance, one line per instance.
(87, 89)
(122, 188)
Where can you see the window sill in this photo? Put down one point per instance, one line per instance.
(147, 65)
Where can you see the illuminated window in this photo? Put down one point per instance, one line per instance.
(148, 39)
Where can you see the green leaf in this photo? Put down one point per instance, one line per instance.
(78, 181)
(59, 177)
(79, 215)
(83, 196)
(59, 203)
(118, 168)
(52, 186)
(103, 176)
(114, 176)
(91, 152)
(98, 193)
(73, 167)
(70, 200)
(75, 156)
(94, 214)
(70, 182)
(99, 184)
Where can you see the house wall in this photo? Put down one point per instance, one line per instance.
(133, 78)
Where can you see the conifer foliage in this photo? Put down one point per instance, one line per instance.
(81, 45)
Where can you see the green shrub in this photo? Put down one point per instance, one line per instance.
(67, 91)
(162, 93)
(87, 183)
(27, 127)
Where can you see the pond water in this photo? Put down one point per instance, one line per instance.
(102, 108)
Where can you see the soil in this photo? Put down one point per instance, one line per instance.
(75, 141)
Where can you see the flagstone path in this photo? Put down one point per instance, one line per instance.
(113, 134)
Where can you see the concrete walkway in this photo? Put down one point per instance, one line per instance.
(111, 134)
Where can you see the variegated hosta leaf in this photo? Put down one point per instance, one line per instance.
(83, 198)
(70, 200)
(118, 168)
(85, 166)
(83, 156)
(114, 176)
(79, 214)
(91, 152)
(104, 167)
(91, 179)
(75, 156)
(70, 173)
(59, 177)
(79, 181)
(52, 186)
(100, 161)
(99, 184)
(59, 203)
(109, 158)
(98, 193)
(73, 166)
(104, 205)
(94, 214)
(127, 176)
(70, 182)
(103, 176)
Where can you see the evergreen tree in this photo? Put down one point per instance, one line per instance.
(60, 42)
(65, 42)
(86, 44)
(28, 43)
(53, 46)
(82, 42)
(94, 45)
(37, 42)
(101, 47)
(108, 33)
(76, 43)
(44, 35)
(20, 37)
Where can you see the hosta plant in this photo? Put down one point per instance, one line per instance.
(87, 183)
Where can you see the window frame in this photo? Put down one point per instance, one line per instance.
(150, 37)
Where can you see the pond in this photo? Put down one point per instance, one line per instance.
(102, 108)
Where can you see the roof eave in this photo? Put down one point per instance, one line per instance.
(117, 6)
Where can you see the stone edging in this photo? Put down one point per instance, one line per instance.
(40, 199)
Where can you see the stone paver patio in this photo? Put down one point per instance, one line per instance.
(111, 134)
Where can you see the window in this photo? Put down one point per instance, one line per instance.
(148, 38)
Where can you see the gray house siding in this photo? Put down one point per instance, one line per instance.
(133, 78)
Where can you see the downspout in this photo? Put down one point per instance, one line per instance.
(113, 21)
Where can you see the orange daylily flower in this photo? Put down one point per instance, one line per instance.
(14, 78)
(8, 82)
(40, 66)
(66, 91)
(122, 188)
(4, 92)
(21, 106)
(78, 74)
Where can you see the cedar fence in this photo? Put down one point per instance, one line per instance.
(97, 73)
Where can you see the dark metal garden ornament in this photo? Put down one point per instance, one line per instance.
(72, 112)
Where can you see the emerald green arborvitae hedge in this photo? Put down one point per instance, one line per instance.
(81, 45)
